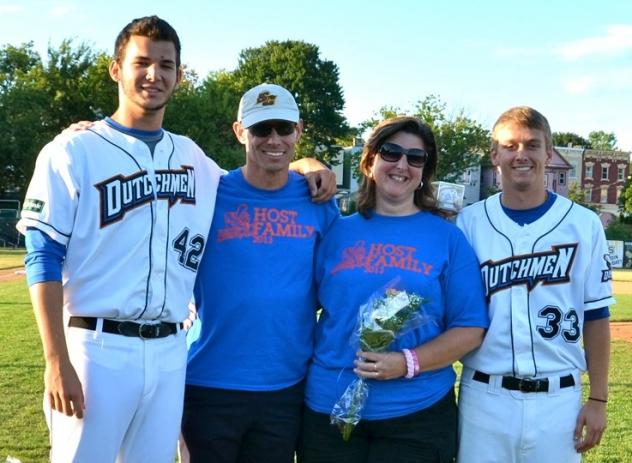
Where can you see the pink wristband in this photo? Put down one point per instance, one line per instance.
(410, 363)
(416, 366)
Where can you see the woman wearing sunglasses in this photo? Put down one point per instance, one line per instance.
(397, 240)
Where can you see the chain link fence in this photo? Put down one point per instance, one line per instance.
(9, 216)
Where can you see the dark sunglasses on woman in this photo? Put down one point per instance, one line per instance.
(264, 129)
(391, 152)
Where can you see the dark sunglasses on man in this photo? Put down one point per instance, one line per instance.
(264, 129)
(391, 152)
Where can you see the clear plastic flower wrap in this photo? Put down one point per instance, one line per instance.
(385, 316)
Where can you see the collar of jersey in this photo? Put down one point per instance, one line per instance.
(136, 133)
(527, 216)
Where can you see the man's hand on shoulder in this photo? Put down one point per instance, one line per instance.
(78, 127)
(322, 185)
(320, 179)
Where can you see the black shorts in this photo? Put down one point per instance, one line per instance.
(426, 436)
(229, 426)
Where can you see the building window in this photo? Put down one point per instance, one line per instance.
(562, 178)
(469, 177)
(604, 194)
(473, 176)
(604, 173)
(621, 174)
(589, 172)
(588, 195)
(573, 172)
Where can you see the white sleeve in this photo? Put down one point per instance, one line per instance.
(53, 194)
(213, 165)
(464, 220)
(598, 282)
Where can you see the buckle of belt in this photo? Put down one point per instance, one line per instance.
(143, 330)
(538, 385)
(526, 385)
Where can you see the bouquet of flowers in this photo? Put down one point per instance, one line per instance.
(380, 321)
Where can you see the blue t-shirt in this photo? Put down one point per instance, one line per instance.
(255, 290)
(430, 257)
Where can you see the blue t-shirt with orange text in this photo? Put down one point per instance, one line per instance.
(422, 254)
(255, 291)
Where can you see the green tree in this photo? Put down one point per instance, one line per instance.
(625, 201)
(205, 113)
(385, 112)
(618, 230)
(600, 140)
(37, 101)
(578, 195)
(19, 124)
(15, 62)
(80, 87)
(313, 81)
(460, 140)
(566, 138)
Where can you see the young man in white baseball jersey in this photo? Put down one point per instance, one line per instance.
(116, 218)
(546, 270)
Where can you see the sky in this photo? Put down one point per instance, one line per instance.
(572, 61)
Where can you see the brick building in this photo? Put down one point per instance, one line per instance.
(604, 174)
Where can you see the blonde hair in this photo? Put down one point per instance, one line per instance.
(524, 116)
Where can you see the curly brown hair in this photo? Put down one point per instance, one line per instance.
(424, 198)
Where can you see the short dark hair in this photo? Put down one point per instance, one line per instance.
(151, 27)
(424, 198)
(524, 116)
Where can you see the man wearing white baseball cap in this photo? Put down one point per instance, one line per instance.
(265, 102)
(255, 295)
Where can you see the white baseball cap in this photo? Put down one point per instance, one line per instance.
(266, 102)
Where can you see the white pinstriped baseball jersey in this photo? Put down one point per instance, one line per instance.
(134, 224)
(539, 279)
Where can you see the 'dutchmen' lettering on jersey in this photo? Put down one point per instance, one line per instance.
(375, 257)
(529, 269)
(120, 194)
(263, 224)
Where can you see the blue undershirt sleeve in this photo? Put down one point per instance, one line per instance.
(44, 257)
(596, 314)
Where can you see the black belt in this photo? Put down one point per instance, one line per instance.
(525, 385)
(127, 328)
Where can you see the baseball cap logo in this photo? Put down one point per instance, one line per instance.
(266, 99)
(267, 102)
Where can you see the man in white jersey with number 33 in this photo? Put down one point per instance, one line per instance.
(547, 274)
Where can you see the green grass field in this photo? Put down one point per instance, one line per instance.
(622, 310)
(23, 433)
(622, 275)
(11, 258)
